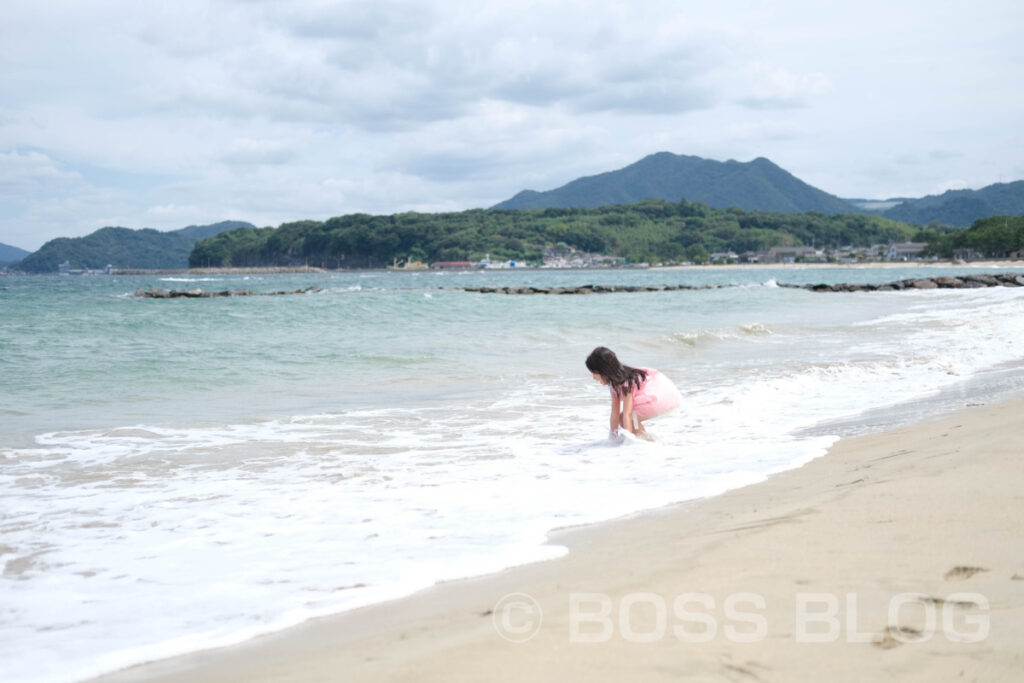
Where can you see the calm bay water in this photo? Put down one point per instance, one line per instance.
(179, 474)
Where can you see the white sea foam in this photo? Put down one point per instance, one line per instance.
(722, 334)
(174, 538)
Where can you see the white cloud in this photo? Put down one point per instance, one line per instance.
(259, 152)
(952, 184)
(174, 210)
(24, 173)
(280, 110)
(770, 86)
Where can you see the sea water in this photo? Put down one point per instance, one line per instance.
(188, 473)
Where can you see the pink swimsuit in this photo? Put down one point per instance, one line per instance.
(655, 396)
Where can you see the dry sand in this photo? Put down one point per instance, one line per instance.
(831, 571)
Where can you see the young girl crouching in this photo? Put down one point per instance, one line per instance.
(638, 394)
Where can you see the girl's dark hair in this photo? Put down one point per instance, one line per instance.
(621, 378)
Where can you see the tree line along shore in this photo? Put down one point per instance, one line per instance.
(647, 232)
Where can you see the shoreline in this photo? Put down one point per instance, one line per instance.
(272, 270)
(733, 266)
(269, 270)
(914, 510)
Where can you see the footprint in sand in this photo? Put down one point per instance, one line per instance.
(939, 602)
(963, 572)
(894, 636)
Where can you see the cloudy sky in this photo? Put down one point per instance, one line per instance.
(144, 114)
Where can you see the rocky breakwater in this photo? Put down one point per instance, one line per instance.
(941, 282)
(585, 289)
(200, 294)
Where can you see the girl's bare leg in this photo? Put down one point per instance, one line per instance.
(641, 432)
(634, 425)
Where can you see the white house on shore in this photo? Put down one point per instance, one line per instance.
(904, 251)
(723, 257)
(793, 254)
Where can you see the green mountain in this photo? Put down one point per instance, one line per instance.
(124, 248)
(961, 207)
(9, 254)
(757, 185)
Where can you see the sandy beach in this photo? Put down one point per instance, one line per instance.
(897, 556)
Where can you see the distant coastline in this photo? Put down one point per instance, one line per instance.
(734, 266)
(1001, 263)
(217, 271)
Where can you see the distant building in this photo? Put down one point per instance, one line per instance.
(486, 262)
(452, 265)
(723, 257)
(794, 254)
(879, 251)
(904, 251)
(967, 254)
(854, 254)
(562, 255)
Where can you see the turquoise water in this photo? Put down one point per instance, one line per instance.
(179, 474)
(78, 351)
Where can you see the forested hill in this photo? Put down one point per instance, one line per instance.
(757, 185)
(646, 231)
(962, 207)
(124, 248)
(9, 254)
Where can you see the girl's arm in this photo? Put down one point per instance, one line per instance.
(626, 419)
(613, 423)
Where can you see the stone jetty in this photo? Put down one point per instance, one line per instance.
(942, 282)
(585, 289)
(200, 294)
